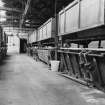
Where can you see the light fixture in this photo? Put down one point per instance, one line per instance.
(27, 24)
(15, 21)
(2, 13)
(2, 19)
(1, 3)
(27, 21)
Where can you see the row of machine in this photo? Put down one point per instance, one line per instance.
(75, 37)
(3, 43)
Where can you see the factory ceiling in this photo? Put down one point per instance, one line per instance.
(30, 13)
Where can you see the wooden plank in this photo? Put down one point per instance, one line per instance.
(100, 63)
(64, 61)
(70, 68)
(79, 69)
(75, 65)
(79, 49)
(61, 64)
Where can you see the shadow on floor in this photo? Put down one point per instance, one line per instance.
(3, 61)
(3, 72)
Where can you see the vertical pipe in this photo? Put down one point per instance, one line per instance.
(99, 44)
(79, 19)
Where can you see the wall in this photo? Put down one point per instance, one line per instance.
(13, 44)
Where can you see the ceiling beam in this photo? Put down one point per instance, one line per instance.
(10, 9)
(9, 23)
(25, 12)
(10, 17)
(20, 29)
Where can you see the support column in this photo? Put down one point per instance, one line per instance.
(56, 30)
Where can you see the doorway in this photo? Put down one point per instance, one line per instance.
(23, 45)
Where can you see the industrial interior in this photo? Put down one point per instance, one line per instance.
(52, 52)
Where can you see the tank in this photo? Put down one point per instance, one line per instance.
(33, 37)
(47, 30)
(81, 15)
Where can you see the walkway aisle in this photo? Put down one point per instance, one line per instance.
(26, 82)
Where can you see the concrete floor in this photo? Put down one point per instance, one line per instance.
(26, 82)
